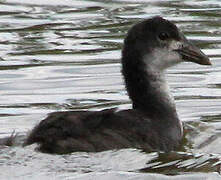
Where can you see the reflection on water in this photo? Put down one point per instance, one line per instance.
(65, 55)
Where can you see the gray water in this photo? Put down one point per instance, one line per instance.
(65, 55)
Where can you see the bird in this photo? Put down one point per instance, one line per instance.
(152, 124)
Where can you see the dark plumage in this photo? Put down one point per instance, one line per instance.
(150, 47)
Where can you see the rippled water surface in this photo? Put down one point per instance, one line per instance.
(65, 55)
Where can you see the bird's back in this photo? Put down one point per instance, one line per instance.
(65, 132)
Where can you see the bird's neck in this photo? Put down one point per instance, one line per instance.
(155, 97)
(148, 89)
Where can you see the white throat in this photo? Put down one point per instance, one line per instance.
(160, 85)
(155, 72)
(161, 59)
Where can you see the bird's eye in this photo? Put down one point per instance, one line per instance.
(163, 36)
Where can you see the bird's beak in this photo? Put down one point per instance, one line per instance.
(189, 52)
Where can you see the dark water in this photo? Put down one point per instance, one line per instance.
(65, 55)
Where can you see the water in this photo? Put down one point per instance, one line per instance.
(65, 55)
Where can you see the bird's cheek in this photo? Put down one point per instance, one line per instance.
(173, 58)
(173, 45)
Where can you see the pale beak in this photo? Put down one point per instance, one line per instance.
(190, 52)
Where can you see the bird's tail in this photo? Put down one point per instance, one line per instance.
(13, 140)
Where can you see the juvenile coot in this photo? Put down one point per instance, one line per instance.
(150, 47)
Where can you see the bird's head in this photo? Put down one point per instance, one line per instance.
(160, 44)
